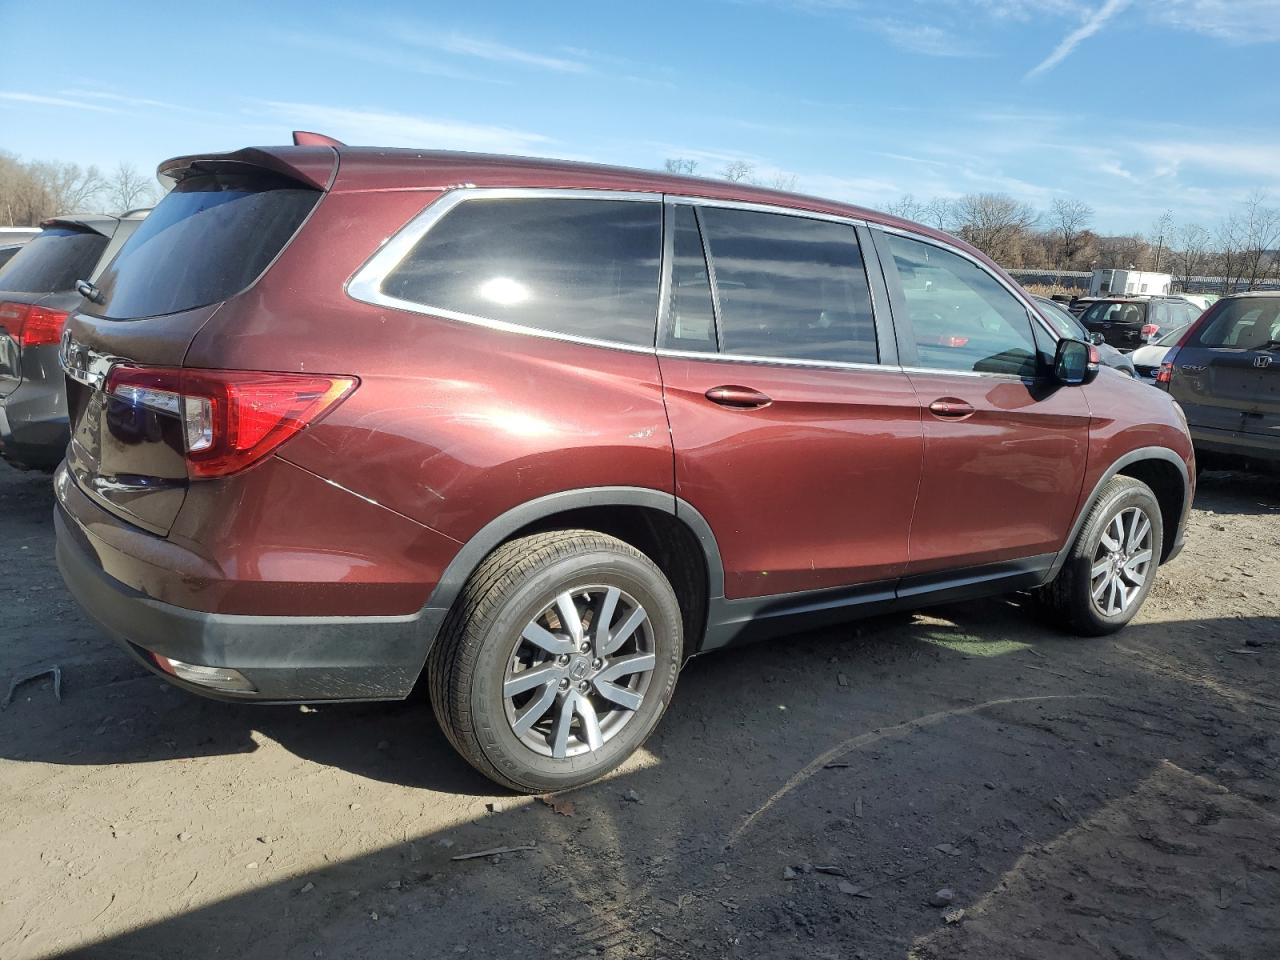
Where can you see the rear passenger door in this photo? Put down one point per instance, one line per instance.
(1004, 444)
(796, 435)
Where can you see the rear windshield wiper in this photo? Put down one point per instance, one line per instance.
(89, 291)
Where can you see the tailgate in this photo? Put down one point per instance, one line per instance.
(1228, 374)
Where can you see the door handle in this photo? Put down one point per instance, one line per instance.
(949, 408)
(744, 398)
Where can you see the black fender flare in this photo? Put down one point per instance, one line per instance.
(1132, 457)
(502, 527)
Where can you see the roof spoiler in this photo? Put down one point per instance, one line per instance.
(306, 164)
(305, 138)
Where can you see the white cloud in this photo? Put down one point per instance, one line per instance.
(45, 101)
(1237, 21)
(922, 38)
(122, 99)
(1092, 25)
(379, 53)
(371, 126)
(1228, 156)
(465, 45)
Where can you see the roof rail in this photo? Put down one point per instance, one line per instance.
(305, 138)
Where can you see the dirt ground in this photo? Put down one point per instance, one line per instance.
(807, 798)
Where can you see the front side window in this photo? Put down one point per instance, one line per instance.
(582, 267)
(962, 317)
(789, 287)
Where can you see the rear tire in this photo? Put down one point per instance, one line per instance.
(532, 678)
(1112, 564)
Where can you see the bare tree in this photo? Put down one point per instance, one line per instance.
(128, 189)
(939, 212)
(996, 224)
(30, 191)
(736, 171)
(1070, 219)
(779, 181)
(683, 165)
(1189, 251)
(907, 207)
(1260, 237)
(1229, 239)
(1160, 233)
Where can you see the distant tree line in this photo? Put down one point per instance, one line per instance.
(34, 190)
(1242, 247)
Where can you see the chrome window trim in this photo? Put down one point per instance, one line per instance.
(776, 361)
(365, 284)
(765, 208)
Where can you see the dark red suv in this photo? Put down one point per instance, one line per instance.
(344, 417)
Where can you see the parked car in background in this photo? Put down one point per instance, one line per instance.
(1202, 300)
(1068, 326)
(1146, 360)
(37, 291)
(1128, 322)
(1225, 374)
(12, 239)
(542, 436)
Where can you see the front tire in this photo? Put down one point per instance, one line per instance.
(1112, 564)
(557, 661)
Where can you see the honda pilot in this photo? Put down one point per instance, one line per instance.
(536, 433)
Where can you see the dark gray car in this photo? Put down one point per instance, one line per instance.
(1226, 376)
(37, 291)
(1068, 326)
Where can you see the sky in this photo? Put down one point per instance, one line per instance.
(1134, 106)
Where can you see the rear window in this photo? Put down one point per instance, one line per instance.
(1106, 312)
(1250, 324)
(583, 267)
(209, 239)
(53, 261)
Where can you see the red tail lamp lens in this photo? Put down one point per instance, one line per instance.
(231, 418)
(30, 325)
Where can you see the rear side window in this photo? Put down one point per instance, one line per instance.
(790, 287)
(53, 261)
(1249, 324)
(962, 317)
(582, 267)
(206, 241)
(691, 324)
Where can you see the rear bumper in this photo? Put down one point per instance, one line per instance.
(286, 659)
(33, 425)
(1253, 446)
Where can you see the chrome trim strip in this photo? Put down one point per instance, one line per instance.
(778, 361)
(764, 208)
(83, 365)
(943, 371)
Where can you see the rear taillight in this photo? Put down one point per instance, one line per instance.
(1164, 376)
(32, 326)
(1149, 330)
(231, 418)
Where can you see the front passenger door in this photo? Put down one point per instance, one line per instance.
(1005, 446)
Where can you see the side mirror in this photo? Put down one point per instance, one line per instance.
(1076, 362)
(1097, 339)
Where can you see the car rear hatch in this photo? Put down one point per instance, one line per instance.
(37, 288)
(1227, 374)
(224, 223)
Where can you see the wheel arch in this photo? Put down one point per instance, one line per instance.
(1160, 468)
(667, 529)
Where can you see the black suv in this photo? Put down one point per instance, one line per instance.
(1129, 322)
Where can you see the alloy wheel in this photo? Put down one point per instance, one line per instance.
(1122, 562)
(579, 671)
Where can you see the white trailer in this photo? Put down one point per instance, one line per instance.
(1128, 283)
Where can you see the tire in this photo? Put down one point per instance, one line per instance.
(1068, 599)
(482, 653)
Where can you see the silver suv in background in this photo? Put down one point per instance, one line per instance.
(37, 292)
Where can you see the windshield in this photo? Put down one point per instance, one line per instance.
(1112, 312)
(1063, 323)
(206, 241)
(1173, 336)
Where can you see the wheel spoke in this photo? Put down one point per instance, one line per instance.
(604, 618)
(528, 679)
(590, 724)
(543, 638)
(622, 696)
(1099, 568)
(1138, 534)
(1113, 601)
(629, 626)
(625, 666)
(1103, 586)
(560, 729)
(569, 618)
(534, 711)
(1131, 568)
